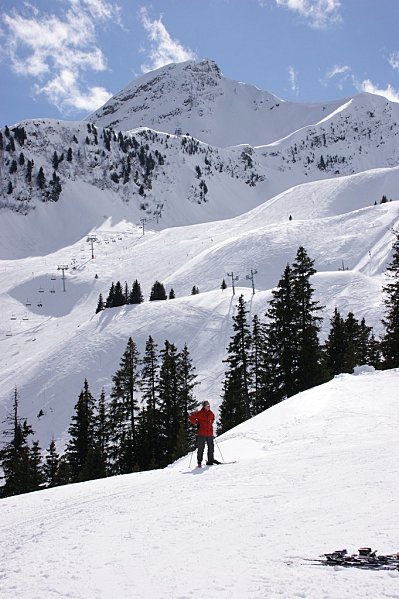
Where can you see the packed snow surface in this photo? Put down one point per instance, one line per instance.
(314, 474)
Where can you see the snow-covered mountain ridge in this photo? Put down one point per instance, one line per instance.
(161, 176)
(197, 99)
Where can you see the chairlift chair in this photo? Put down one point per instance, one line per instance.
(13, 317)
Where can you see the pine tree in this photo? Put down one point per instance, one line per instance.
(69, 155)
(136, 297)
(100, 305)
(157, 292)
(223, 285)
(81, 433)
(36, 473)
(186, 402)
(282, 316)
(309, 371)
(123, 411)
(41, 179)
(172, 294)
(101, 435)
(194, 290)
(168, 399)
(51, 464)
(335, 346)
(119, 296)
(390, 340)
(110, 299)
(236, 403)
(55, 161)
(29, 169)
(262, 369)
(150, 449)
(16, 459)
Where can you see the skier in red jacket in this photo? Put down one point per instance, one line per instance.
(204, 419)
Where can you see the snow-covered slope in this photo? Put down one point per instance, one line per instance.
(48, 350)
(314, 474)
(197, 99)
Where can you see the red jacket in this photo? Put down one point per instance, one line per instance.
(204, 419)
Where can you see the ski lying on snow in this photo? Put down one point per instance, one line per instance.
(366, 559)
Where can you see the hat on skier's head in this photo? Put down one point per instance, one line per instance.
(206, 403)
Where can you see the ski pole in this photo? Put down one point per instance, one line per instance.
(217, 445)
(192, 453)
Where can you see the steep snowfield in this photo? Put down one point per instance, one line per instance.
(314, 474)
(48, 350)
(196, 98)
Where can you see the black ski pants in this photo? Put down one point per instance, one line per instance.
(201, 440)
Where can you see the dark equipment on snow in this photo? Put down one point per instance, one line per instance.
(366, 559)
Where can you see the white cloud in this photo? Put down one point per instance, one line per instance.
(293, 75)
(338, 70)
(318, 13)
(368, 86)
(65, 92)
(164, 49)
(394, 61)
(56, 50)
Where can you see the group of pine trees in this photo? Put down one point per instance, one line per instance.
(119, 295)
(272, 359)
(142, 425)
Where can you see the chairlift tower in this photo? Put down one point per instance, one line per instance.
(63, 268)
(233, 278)
(251, 278)
(92, 239)
(143, 220)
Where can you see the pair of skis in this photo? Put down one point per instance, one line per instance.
(366, 559)
(216, 463)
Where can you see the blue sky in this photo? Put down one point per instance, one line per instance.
(65, 58)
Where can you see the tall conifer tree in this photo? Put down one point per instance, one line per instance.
(123, 410)
(236, 402)
(81, 432)
(390, 340)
